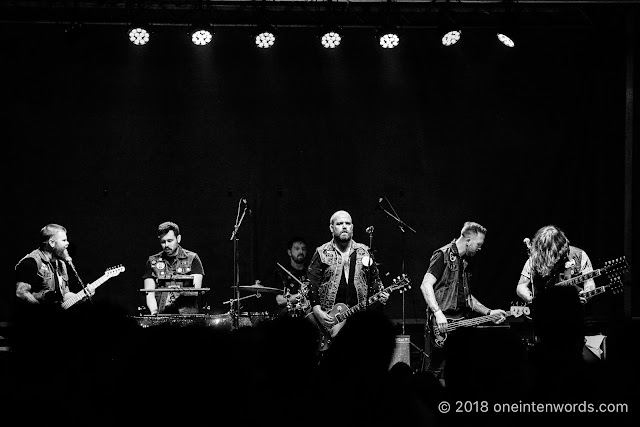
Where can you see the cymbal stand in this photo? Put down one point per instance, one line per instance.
(236, 272)
(256, 295)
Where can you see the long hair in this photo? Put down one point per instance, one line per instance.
(549, 245)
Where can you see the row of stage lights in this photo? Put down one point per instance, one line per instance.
(330, 38)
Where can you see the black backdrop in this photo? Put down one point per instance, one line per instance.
(110, 139)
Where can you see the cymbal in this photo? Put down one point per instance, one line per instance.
(258, 288)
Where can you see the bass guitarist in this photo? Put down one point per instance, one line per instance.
(341, 271)
(445, 288)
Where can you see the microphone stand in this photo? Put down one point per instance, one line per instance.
(236, 272)
(84, 288)
(402, 225)
(369, 231)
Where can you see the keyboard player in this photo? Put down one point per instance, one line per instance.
(174, 266)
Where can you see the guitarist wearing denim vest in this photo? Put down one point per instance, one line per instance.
(445, 288)
(41, 275)
(341, 271)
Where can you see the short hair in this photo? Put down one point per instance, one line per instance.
(48, 231)
(295, 239)
(335, 214)
(166, 227)
(549, 245)
(472, 227)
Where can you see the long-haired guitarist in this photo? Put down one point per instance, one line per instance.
(551, 260)
(341, 272)
(445, 288)
(41, 275)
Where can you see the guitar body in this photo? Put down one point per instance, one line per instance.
(340, 312)
(437, 337)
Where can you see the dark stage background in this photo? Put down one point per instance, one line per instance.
(110, 139)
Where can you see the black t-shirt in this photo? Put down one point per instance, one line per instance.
(347, 291)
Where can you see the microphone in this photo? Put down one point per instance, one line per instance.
(67, 257)
(369, 229)
(246, 205)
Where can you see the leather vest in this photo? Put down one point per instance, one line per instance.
(446, 288)
(45, 289)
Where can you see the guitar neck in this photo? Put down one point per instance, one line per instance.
(78, 297)
(474, 321)
(372, 299)
(594, 292)
(581, 279)
(98, 282)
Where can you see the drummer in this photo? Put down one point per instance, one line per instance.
(172, 261)
(292, 301)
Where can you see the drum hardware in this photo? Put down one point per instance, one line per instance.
(257, 288)
(302, 305)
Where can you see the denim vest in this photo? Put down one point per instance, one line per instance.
(446, 288)
(162, 268)
(45, 289)
(331, 268)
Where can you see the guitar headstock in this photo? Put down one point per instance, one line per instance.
(615, 268)
(400, 283)
(114, 271)
(616, 286)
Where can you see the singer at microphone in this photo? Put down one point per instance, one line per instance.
(41, 275)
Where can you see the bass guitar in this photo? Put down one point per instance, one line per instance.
(438, 337)
(340, 312)
(108, 274)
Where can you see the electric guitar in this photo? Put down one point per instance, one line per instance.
(613, 269)
(109, 273)
(438, 337)
(614, 287)
(340, 312)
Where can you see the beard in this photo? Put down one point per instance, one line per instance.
(60, 253)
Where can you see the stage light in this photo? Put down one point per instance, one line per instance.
(265, 36)
(448, 29)
(331, 37)
(388, 37)
(138, 35)
(202, 34)
(451, 37)
(505, 40)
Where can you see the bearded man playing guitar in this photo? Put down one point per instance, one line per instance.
(341, 272)
(445, 288)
